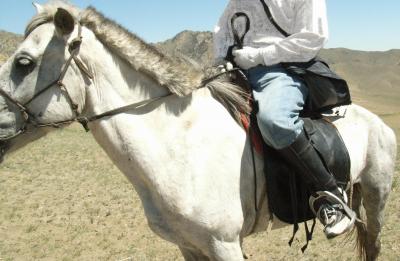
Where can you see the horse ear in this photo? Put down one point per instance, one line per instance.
(64, 21)
(39, 8)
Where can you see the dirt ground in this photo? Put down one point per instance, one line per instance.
(62, 199)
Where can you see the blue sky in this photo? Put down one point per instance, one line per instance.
(372, 25)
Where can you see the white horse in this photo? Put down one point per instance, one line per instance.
(187, 158)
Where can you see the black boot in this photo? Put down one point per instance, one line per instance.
(328, 203)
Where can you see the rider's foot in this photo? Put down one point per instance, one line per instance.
(333, 213)
(335, 221)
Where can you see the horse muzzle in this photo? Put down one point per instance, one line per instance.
(7, 132)
(8, 126)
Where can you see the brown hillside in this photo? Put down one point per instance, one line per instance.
(8, 44)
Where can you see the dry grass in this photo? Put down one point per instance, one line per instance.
(62, 199)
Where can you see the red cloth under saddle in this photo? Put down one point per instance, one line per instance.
(255, 134)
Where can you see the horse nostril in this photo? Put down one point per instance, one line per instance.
(3, 104)
(3, 108)
(7, 121)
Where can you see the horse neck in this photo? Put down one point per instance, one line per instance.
(134, 140)
(115, 82)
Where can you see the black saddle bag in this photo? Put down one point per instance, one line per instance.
(326, 89)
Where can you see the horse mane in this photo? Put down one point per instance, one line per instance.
(178, 75)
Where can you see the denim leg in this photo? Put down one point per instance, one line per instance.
(280, 98)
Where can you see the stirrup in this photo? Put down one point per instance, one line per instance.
(334, 214)
(332, 199)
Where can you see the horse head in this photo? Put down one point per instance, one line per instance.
(40, 85)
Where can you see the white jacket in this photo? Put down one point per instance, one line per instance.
(305, 20)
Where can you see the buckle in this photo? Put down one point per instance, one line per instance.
(84, 122)
(75, 44)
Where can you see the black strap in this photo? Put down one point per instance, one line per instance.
(294, 200)
(309, 234)
(272, 20)
(238, 40)
(252, 132)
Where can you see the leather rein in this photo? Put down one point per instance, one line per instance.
(31, 119)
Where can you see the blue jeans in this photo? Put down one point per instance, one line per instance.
(280, 98)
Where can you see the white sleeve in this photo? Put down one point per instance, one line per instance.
(222, 38)
(310, 35)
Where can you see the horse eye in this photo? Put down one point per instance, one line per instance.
(24, 61)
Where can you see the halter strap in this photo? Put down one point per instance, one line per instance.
(29, 117)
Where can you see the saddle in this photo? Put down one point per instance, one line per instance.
(288, 194)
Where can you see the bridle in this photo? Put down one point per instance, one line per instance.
(31, 120)
(28, 116)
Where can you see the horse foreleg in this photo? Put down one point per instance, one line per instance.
(216, 251)
(192, 255)
(226, 251)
